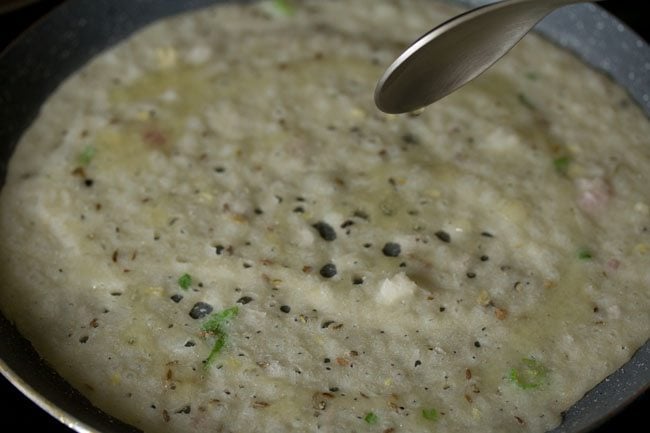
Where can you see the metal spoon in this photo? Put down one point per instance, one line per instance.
(457, 51)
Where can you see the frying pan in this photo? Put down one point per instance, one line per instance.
(37, 63)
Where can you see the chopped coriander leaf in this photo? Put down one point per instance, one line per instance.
(430, 414)
(284, 7)
(532, 76)
(523, 99)
(562, 164)
(371, 418)
(216, 321)
(87, 155)
(215, 325)
(530, 374)
(216, 349)
(585, 254)
(185, 281)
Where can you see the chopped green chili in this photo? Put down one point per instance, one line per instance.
(185, 281)
(530, 374)
(371, 418)
(562, 164)
(215, 325)
(585, 254)
(430, 414)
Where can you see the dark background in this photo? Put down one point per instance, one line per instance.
(17, 413)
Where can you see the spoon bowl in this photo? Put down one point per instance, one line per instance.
(456, 52)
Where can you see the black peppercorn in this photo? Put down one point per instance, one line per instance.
(244, 300)
(443, 236)
(200, 310)
(325, 231)
(392, 249)
(328, 270)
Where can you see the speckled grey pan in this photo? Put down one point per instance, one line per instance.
(31, 68)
